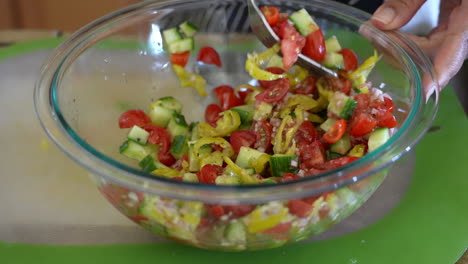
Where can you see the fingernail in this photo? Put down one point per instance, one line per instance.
(384, 15)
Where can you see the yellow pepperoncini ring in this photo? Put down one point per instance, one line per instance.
(265, 217)
(245, 177)
(281, 146)
(214, 158)
(359, 76)
(259, 163)
(254, 61)
(167, 172)
(357, 151)
(227, 149)
(188, 79)
(227, 124)
(298, 76)
(303, 101)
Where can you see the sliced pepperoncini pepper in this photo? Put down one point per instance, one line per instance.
(227, 124)
(188, 79)
(227, 149)
(245, 177)
(359, 76)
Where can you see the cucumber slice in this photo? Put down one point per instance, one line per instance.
(159, 115)
(342, 146)
(303, 22)
(378, 137)
(245, 113)
(148, 164)
(206, 149)
(190, 177)
(188, 29)
(342, 105)
(236, 233)
(182, 45)
(332, 45)
(247, 155)
(228, 180)
(179, 146)
(334, 61)
(133, 150)
(325, 126)
(139, 135)
(177, 125)
(333, 155)
(171, 35)
(281, 164)
(170, 103)
(194, 133)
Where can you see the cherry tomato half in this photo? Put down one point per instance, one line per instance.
(263, 131)
(350, 59)
(338, 162)
(361, 124)
(166, 158)
(226, 97)
(306, 133)
(180, 58)
(289, 177)
(305, 87)
(132, 118)
(269, 84)
(158, 136)
(335, 132)
(291, 45)
(209, 173)
(209, 55)
(311, 155)
(212, 114)
(275, 93)
(271, 14)
(315, 46)
(242, 138)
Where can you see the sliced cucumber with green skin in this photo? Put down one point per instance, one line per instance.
(333, 155)
(377, 138)
(334, 61)
(148, 164)
(245, 113)
(303, 22)
(133, 150)
(177, 125)
(206, 149)
(332, 45)
(188, 29)
(245, 126)
(179, 146)
(159, 115)
(182, 45)
(228, 180)
(172, 34)
(342, 105)
(170, 103)
(269, 181)
(325, 126)
(138, 135)
(194, 161)
(235, 232)
(194, 133)
(343, 145)
(245, 155)
(190, 177)
(281, 164)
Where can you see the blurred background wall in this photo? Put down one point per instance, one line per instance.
(65, 15)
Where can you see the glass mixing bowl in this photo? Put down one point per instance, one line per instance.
(118, 62)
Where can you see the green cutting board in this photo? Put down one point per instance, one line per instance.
(428, 226)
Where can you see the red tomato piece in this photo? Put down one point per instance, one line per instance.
(361, 124)
(338, 162)
(291, 45)
(388, 102)
(212, 114)
(236, 211)
(216, 147)
(363, 101)
(243, 94)
(242, 138)
(158, 136)
(306, 87)
(306, 134)
(279, 231)
(311, 199)
(271, 14)
(350, 59)
(226, 97)
(315, 46)
(335, 132)
(209, 55)
(269, 84)
(209, 173)
(275, 93)
(289, 177)
(166, 158)
(263, 131)
(216, 211)
(133, 117)
(299, 207)
(311, 155)
(283, 18)
(180, 58)
(387, 119)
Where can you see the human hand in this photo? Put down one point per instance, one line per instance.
(447, 44)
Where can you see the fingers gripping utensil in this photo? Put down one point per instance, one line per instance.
(268, 37)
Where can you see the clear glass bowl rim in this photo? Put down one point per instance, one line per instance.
(99, 164)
